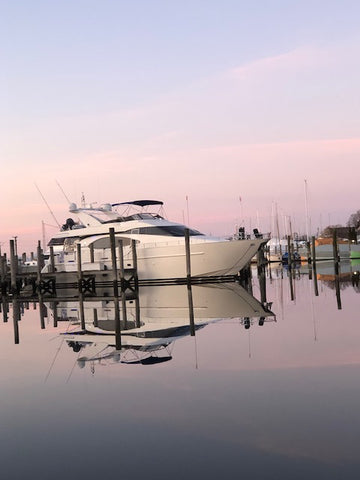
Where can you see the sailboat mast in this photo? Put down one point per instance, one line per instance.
(306, 211)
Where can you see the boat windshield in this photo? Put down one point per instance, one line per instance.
(168, 230)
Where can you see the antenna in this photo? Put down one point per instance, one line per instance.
(67, 199)
(51, 212)
(306, 210)
(187, 210)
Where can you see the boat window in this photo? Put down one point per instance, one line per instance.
(170, 230)
(61, 240)
(56, 241)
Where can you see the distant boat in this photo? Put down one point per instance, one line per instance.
(324, 249)
(355, 251)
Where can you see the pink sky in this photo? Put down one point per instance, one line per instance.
(255, 131)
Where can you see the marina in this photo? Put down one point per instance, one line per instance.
(179, 240)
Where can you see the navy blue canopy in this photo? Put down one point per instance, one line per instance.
(139, 203)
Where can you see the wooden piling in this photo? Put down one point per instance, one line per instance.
(313, 249)
(290, 256)
(39, 261)
(308, 252)
(188, 282)
(52, 260)
(335, 247)
(3, 269)
(13, 266)
(92, 253)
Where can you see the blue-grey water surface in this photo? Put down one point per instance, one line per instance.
(278, 401)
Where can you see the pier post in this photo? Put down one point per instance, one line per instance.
(3, 269)
(123, 286)
(92, 254)
(289, 250)
(188, 282)
(13, 266)
(335, 247)
(313, 250)
(52, 259)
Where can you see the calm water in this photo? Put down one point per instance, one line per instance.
(275, 401)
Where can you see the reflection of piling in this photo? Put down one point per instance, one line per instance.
(308, 252)
(40, 264)
(42, 311)
(80, 278)
(123, 282)
(115, 290)
(292, 296)
(337, 285)
(262, 283)
(16, 318)
(316, 289)
(5, 309)
(136, 282)
(95, 313)
(55, 315)
(188, 282)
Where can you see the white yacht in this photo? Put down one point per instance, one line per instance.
(160, 243)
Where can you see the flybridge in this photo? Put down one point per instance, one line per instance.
(108, 206)
(92, 215)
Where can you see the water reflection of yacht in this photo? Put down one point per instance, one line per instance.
(164, 318)
(160, 243)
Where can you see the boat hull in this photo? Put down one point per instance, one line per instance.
(206, 259)
(168, 261)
